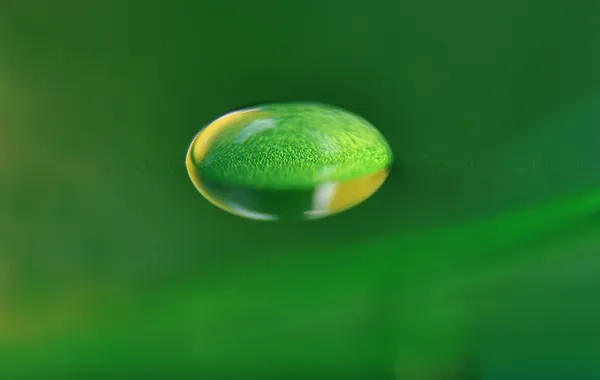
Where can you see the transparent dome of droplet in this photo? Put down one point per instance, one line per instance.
(288, 161)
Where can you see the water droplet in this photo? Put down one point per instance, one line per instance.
(288, 161)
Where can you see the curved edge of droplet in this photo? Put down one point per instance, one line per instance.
(230, 208)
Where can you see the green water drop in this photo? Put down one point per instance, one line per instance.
(288, 161)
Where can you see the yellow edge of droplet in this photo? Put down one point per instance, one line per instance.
(349, 194)
(203, 139)
(199, 148)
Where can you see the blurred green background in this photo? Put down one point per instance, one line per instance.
(478, 259)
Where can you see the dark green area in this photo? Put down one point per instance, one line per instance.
(295, 146)
(273, 204)
(481, 248)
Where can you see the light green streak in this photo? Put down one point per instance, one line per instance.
(306, 291)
